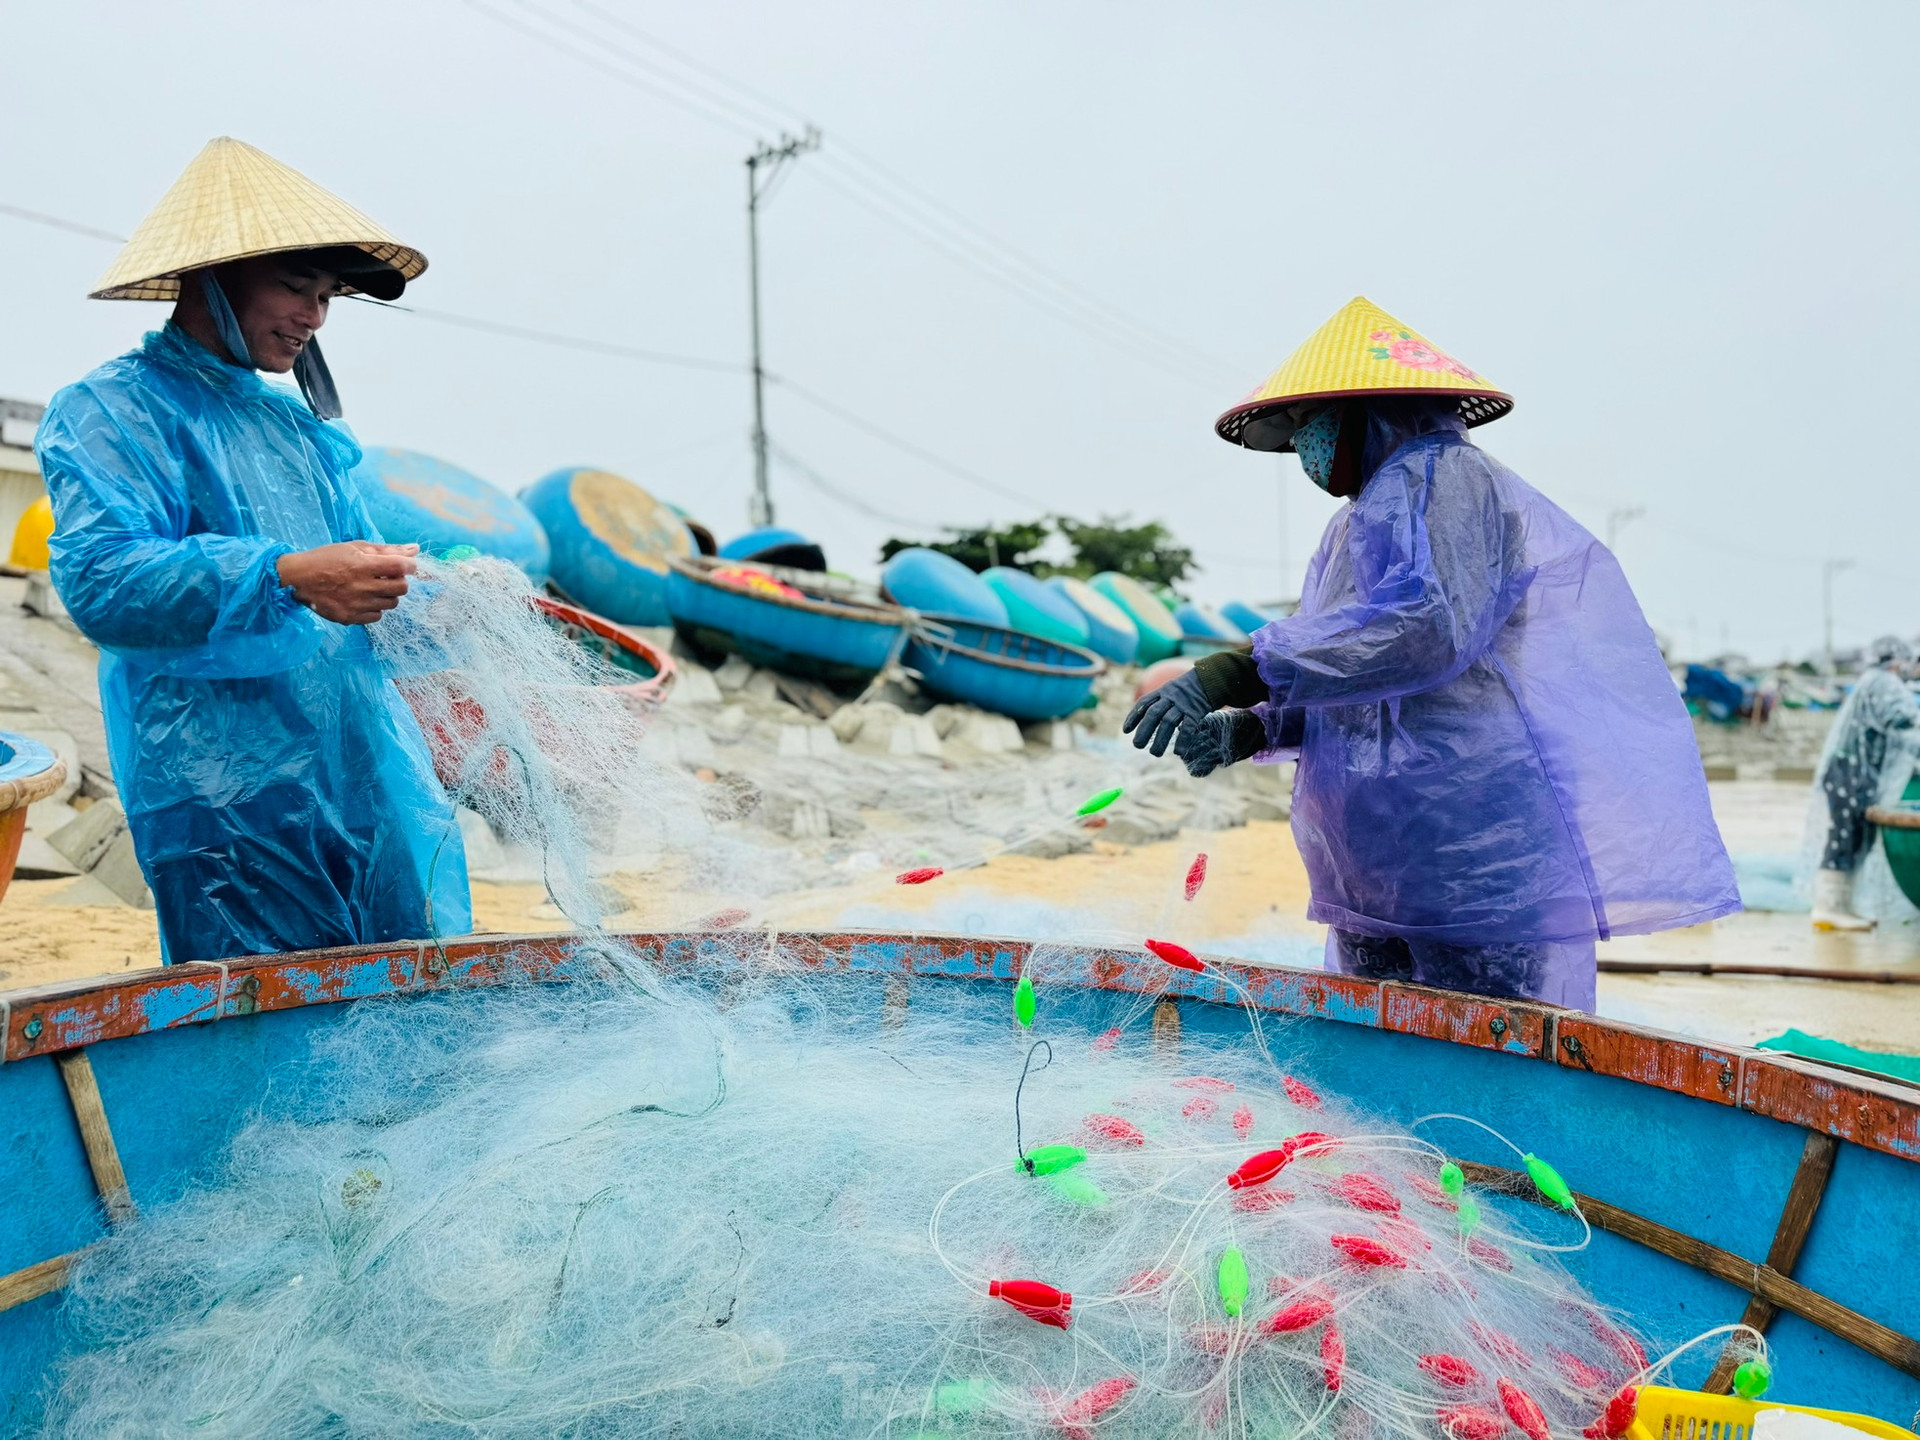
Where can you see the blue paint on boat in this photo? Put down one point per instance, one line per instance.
(1208, 623)
(1000, 669)
(416, 499)
(937, 584)
(1111, 633)
(611, 542)
(831, 639)
(1249, 618)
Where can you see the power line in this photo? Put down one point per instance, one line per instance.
(566, 342)
(843, 496)
(905, 446)
(57, 223)
(897, 182)
(894, 200)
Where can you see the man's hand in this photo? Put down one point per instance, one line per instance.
(353, 583)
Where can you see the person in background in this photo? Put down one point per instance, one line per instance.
(1495, 767)
(1868, 760)
(209, 539)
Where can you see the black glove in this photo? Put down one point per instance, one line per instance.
(1158, 715)
(1216, 681)
(1226, 737)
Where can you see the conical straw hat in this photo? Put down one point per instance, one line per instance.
(1361, 351)
(231, 202)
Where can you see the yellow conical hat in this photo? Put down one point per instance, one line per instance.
(231, 202)
(1361, 351)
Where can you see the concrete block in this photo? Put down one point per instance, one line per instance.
(761, 686)
(847, 723)
(1050, 735)
(692, 747)
(731, 724)
(41, 598)
(733, 675)
(693, 684)
(821, 742)
(913, 735)
(119, 871)
(86, 838)
(989, 734)
(794, 744)
(811, 821)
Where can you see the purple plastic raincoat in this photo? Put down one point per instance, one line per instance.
(1491, 750)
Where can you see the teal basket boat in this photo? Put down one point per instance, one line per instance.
(1006, 671)
(1723, 1184)
(822, 632)
(1900, 834)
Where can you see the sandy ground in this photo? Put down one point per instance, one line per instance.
(1251, 905)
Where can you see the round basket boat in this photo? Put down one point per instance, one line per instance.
(645, 674)
(1719, 1182)
(1900, 833)
(1002, 670)
(810, 631)
(29, 771)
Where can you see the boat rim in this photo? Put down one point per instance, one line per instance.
(665, 671)
(928, 635)
(698, 568)
(1879, 1113)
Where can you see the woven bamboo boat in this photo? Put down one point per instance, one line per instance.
(1723, 1184)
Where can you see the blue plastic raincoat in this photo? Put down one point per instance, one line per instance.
(279, 791)
(1491, 750)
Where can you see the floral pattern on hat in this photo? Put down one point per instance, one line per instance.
(1409, 350)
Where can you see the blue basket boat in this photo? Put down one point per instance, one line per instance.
(1002, 670)
(1722, 1183)
(823, 631)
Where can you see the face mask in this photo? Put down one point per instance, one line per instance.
(1314, 440)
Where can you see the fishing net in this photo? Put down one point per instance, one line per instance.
(727, 1190)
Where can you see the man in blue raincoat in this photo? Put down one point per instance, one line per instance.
(209, 539)
(1496, 769)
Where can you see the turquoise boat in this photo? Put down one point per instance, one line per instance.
(818, 630)
(1159, 631)
(1723, 1184)
(1002, 670)
(1900, 834)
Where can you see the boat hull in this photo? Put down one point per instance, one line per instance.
(1698, 1146)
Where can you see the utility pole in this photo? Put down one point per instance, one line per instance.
(1827, 571)
(771, 159)
(1618, 520)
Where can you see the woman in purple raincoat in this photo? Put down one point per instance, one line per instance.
(1495, 767)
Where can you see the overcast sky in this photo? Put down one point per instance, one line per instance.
(1683, 236)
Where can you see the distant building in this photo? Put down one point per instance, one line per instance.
(20, 482)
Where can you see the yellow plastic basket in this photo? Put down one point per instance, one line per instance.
(1687, 1415)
